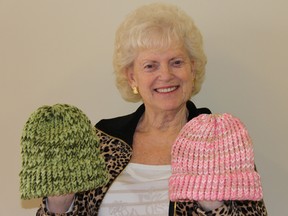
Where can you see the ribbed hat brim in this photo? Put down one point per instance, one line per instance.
(237, 186)
(58, 180)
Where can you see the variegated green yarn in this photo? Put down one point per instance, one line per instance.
(60, 153)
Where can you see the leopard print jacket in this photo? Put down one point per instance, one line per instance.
(117, 155)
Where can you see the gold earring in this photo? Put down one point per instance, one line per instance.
(135, 90)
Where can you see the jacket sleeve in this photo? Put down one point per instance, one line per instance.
(230, 208)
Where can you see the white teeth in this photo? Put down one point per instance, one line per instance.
(165, 90)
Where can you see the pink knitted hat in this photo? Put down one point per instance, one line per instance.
(213, 159)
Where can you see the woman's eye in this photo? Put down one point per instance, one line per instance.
(177, 63)
(149, 67)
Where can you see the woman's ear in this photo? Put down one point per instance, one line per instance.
(131, 76)
(193, 67)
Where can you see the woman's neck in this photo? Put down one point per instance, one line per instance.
(163, 120)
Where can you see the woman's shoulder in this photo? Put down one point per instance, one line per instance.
(194, 111)
(122, 126)
(121, 121)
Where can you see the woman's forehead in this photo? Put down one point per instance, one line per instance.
(167, 52)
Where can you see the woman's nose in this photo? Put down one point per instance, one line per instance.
(166, 72)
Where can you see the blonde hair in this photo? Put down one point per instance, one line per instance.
(155, 25)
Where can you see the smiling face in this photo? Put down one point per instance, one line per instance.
(164, 78)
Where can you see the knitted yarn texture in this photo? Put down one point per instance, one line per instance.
(60, 153)
(213, 159)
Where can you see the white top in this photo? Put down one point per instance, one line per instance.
(139, 190)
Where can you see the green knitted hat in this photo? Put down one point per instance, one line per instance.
(60, 153)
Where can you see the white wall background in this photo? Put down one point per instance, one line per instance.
(60, 51)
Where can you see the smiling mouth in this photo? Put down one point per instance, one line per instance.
(166, 90)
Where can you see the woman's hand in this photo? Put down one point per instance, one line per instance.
(210, 205)
(60, 204)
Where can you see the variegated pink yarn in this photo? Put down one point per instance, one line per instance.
(213, 159)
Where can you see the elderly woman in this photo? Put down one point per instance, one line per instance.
(159, 60)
